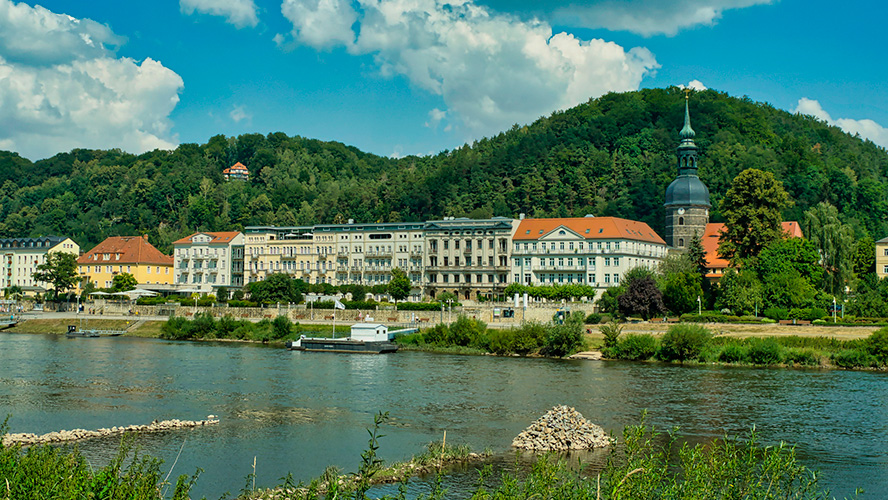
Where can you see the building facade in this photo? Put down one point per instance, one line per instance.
(21, 256)
(687, 198)
(126, 254)
(236, 172)
(594, 251)
(882, 258)
(290, 250)
(468, 257)
(209, 261)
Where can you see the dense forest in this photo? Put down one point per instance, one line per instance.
(613, 156)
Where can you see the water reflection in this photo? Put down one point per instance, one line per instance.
(298, 412)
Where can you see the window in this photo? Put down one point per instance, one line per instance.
(616, 278)
(681, 242)
(607, 261)
(607, 278)
(616, 261)
(681, 221)
(885, 270)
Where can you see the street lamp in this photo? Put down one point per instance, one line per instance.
(699, 306)
(834, 309)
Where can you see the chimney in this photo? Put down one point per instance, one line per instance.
(521, 216)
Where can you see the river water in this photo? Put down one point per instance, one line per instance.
(299, 412)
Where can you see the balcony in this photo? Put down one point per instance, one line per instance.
(378, 253)
(417, 253)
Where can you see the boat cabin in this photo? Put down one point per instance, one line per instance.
(369, 332)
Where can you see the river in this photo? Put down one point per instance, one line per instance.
(299, 412)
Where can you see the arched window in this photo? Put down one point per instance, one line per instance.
(681, 242)
(681, 221)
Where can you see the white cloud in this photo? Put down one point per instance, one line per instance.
(435, 117)
(81, 96)
(240, 13)
(693, 85)
(239, 114)
(645, 17)
(868, 129)
(492, 70)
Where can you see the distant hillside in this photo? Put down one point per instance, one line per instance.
(610, 156)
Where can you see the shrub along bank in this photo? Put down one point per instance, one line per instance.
(471, 335)
(694, 343)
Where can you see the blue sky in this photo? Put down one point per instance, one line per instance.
(398, 77)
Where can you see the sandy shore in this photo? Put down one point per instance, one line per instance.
(749, 330)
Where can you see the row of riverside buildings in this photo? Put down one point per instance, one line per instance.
(471, 258)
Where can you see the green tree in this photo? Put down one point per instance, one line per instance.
(399, 285)
(13, 292)
(642, 297)
(739, 291)
(834, 242)
(681, 291)
(696, 254)
(123, 282)
(59, 270)
(752, 209)
(277, 287)
(865, 257)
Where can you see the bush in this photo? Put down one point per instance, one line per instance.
(805, 357)
(776, 313)
(565, 339)
(808, 314)
(636, 347)
(465, 331)
(281, 327)
(611, 333)
(877, 345)
(683, 342)
(174, 328)
(853, 358)
(241, 303)
(733, 353)
(765, 352)
(593, 319)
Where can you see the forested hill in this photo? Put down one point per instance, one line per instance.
(614, 155)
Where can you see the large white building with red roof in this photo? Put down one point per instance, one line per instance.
(595, 251)
(208, 261)
(237, 172)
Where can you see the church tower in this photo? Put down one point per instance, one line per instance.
(687, 198)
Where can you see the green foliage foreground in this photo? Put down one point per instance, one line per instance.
(645, 465)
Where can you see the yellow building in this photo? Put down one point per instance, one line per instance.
(126, 254)
(882, 258)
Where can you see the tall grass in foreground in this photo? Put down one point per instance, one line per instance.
(45, 472)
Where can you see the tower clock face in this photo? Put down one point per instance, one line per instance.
(681, 211)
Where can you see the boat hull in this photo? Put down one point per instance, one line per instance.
(343, 345)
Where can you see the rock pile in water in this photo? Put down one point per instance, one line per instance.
(562, 428)
(78, 434)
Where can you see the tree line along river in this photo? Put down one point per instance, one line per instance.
(299, 412)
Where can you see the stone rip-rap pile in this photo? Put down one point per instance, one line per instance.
(562, 428)
(78, 434)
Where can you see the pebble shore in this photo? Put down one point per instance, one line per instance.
(28, 439)
(562, 428)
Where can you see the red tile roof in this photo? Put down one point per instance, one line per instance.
(713, 233)
(132, 250)
(237, 166)
(590, 228)
(218, 237)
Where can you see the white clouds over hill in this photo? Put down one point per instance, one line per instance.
(492, 70)
(62, 87)
(867, 129)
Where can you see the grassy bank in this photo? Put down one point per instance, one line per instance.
(59, 326)
(644, 465)
(691, 343)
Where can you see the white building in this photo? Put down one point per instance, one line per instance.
(21, 256)
(209, 261)
(596, 251)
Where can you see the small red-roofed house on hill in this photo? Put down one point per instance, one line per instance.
(715, 265)
(236, 172)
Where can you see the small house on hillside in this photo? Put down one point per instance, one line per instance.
(236, 172)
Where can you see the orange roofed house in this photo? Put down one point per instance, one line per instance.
(236, 172)
(595, 251)
(125, 254)
(716, 265)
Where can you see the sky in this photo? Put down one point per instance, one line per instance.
(401, 77)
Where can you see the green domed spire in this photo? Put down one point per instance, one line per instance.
(687, 132)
